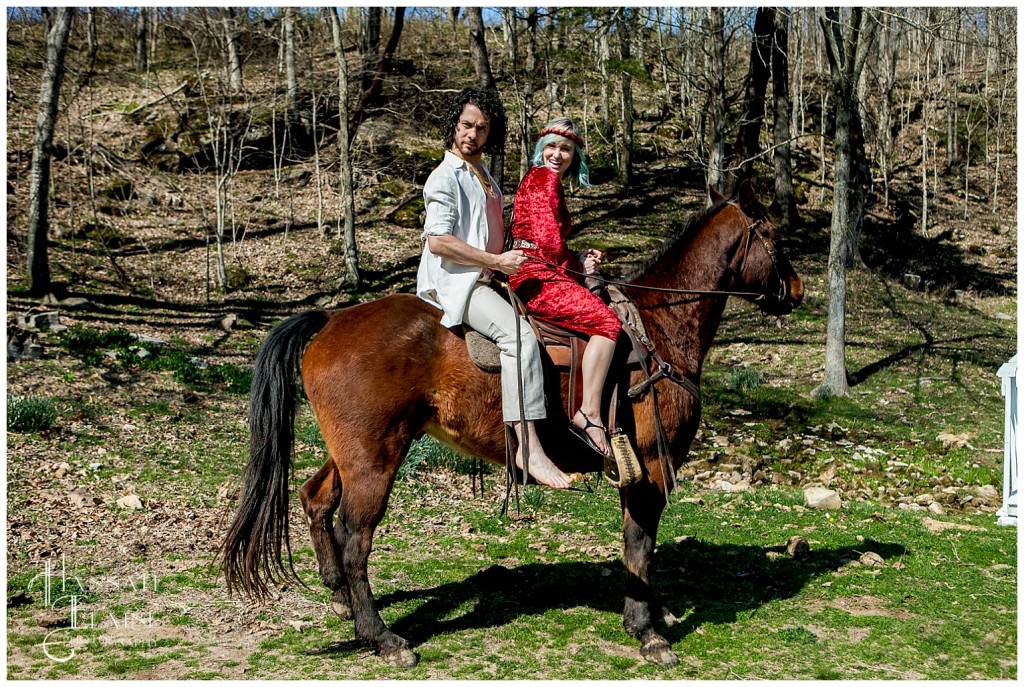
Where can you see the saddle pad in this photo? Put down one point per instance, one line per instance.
(483, 351)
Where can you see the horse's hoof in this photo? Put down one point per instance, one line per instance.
(660, 653)
(403, 658)
(340, 605)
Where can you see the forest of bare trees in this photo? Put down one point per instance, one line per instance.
(858, 111)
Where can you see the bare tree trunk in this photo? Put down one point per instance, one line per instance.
(234, 60)
(484, 77)
(369, 44)
(624, 26)
(347, 194)
(715, 66)
(291, 80)
(154, 33)
(846, 59)
(529, 88)
(478, 47)
(603, 56)
(141, 51)
(784, 203)
(748, 138)
(93, 45)
(42, 151)
(370, 96)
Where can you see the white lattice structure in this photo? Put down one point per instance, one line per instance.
(1007, 515)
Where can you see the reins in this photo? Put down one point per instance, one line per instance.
(613, 282)
(751, 231)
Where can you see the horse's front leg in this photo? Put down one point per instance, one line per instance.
(643, 504)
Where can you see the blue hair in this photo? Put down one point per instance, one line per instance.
(578, 171)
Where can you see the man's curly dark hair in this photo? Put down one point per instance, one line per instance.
(490, 104)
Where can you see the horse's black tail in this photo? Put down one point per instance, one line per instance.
(252, 550)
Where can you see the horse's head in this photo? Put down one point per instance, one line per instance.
(758, 265)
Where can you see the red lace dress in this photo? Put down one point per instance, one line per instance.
(541, 217)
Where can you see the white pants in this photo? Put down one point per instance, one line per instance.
(494, 317)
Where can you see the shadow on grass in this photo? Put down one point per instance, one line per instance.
(700, 583)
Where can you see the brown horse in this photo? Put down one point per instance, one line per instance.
(383, 373)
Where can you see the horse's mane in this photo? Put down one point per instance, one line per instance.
(685, 234)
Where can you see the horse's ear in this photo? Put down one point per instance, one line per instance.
(714, 195)
(747, 194)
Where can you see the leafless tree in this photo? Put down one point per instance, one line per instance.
(784, 203)
(714, 64)
(847, 55)
(345, 154)
(624, 26)
(484, 76)
(42, 151)
(232, 50)
(141, 48)
(748, 137)
(291, 79)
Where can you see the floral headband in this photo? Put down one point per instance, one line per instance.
(564, 133)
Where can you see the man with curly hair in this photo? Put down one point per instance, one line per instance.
(464, 235)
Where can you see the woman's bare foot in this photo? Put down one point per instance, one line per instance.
(597, 433)
(544, 471)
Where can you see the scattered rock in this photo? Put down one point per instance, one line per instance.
(78, 303)
(953, 441)
(130, 502)
(80, 499)
(52, 618)
(936, 526)
(150, 340)
(936, 508)
(798, 547)
(43, 321)
(872, 560)
(912, 281)
(822, 499)
(988, 494)
(18, 599)
(298, 176)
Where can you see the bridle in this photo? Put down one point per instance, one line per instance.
(769, 248)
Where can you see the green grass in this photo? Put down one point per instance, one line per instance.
(117, 348)
(30, 414)
(746, 609)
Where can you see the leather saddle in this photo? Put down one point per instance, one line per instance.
(562, 352)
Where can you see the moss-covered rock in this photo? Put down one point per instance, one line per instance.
(409, 214)
(237, 277)
(121, 189)
(105, 234)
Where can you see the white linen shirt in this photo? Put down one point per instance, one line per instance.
(455, 204)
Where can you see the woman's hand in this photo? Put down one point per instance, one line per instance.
(590, 259)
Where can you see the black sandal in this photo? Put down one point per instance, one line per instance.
(581, 433)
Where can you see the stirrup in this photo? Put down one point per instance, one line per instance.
(623, 468)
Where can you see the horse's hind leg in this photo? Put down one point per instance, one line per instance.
(320, 496)
(368, 480)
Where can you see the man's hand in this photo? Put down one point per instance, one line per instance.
(510, 262)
